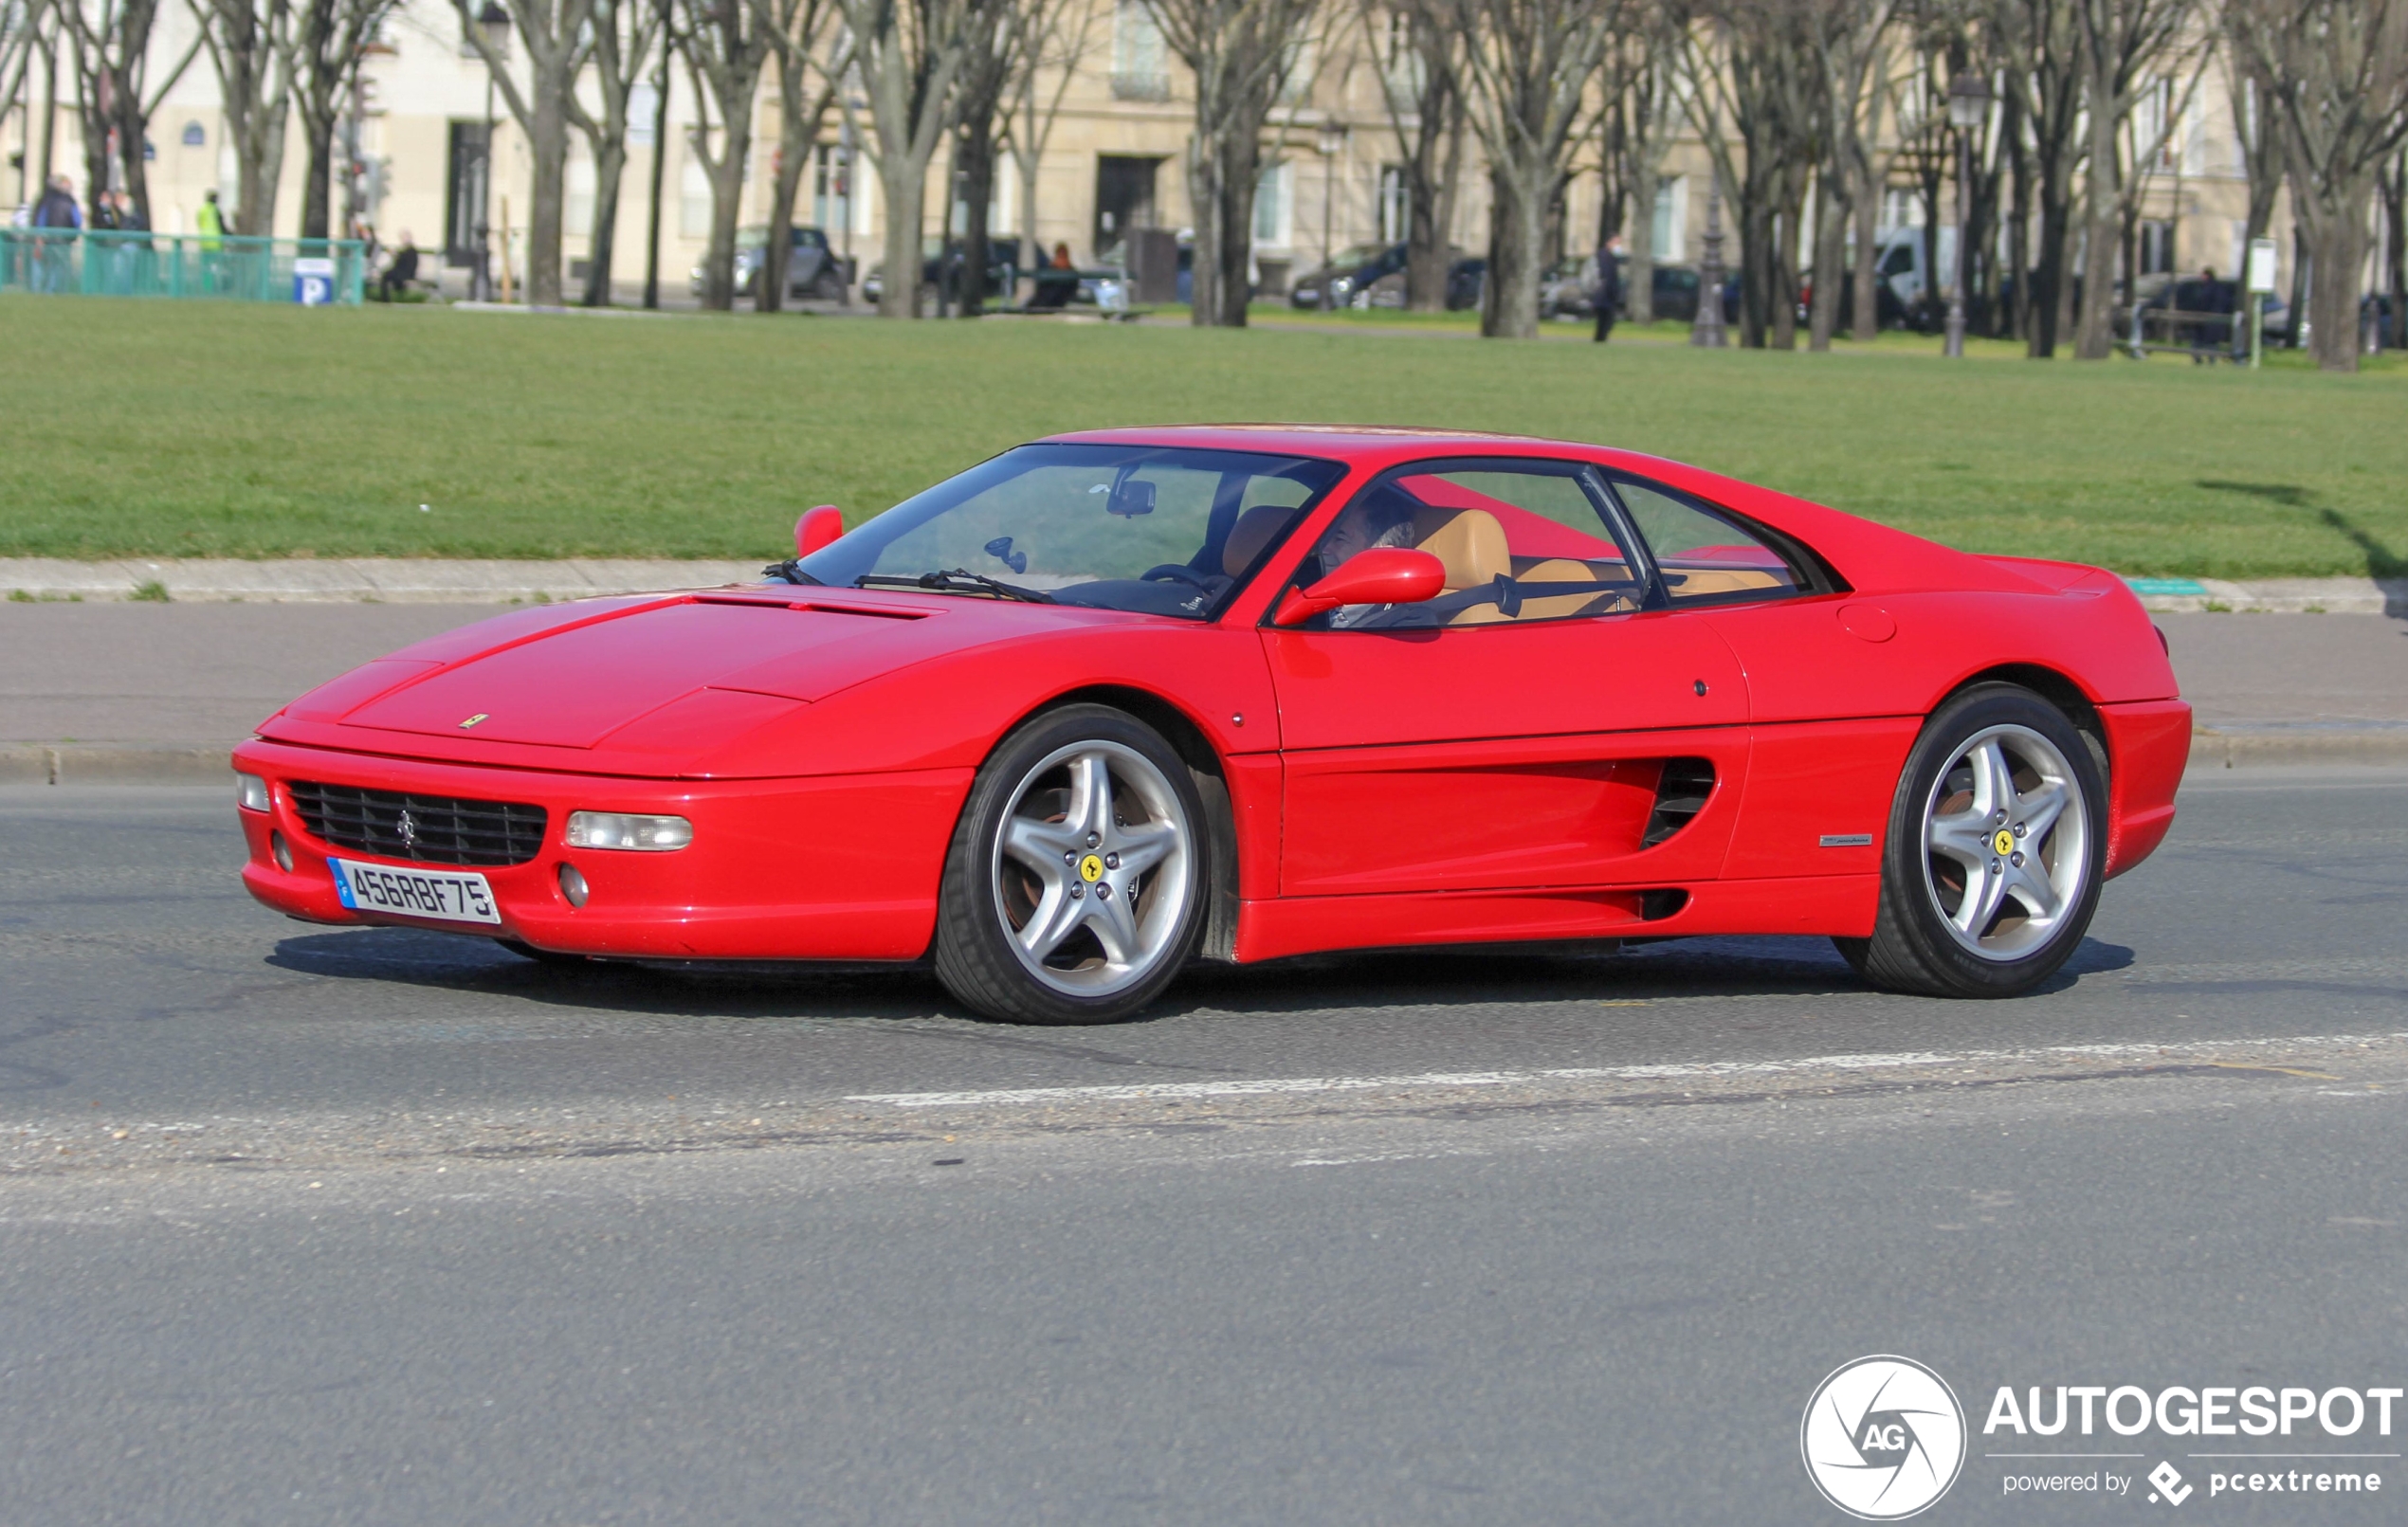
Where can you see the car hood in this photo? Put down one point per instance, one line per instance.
(646, 685)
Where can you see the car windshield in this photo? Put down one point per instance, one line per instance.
(1361, 254)
(1147, 529)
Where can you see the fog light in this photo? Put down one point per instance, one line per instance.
(618, 830)
(251, 793)
(283, 851)
(573, 885)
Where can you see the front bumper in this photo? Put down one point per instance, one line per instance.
(833, 867)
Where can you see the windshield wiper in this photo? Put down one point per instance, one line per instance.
(789, 571)
(954, 579)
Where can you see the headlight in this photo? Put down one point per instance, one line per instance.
(251, 793)
(618, 830)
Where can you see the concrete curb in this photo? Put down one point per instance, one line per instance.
(430, 580)
(391, 580)
(2276, 596)
(95, 764)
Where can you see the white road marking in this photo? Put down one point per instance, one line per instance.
(1273, 1086)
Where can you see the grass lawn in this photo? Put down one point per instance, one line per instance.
(201, 429)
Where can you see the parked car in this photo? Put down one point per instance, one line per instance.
(1350, 274)
(1134, 731)
(812, 269)
(945, 262)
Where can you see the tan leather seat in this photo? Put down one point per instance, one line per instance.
(1471, 546)
(1255, 528)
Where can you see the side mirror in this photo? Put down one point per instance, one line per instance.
(1383, 575)
(817, 528)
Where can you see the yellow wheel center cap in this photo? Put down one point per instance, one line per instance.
(1091, 868)
(2004, 842)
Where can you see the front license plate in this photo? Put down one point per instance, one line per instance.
(446, 895)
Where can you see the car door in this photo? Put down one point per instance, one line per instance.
(1825, 671)
(1539, 724)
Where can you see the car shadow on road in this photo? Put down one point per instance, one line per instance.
(1450, 978)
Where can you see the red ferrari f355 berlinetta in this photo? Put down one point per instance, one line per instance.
(1113, 701)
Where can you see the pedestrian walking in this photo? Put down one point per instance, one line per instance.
(1608, 287)
(210, 221)
(56, 214)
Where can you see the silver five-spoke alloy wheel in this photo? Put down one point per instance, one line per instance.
(2006, 834)
(1091, 868)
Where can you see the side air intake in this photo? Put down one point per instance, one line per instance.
(1681, 791)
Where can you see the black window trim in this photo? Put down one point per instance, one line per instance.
(1586, 474)
(1815, 575)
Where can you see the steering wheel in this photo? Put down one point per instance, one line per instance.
(1179, 571)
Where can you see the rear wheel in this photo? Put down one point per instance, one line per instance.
(1996, 852)
(1073, 889)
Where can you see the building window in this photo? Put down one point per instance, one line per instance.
(576, 212)
(1396, 205)
(1275, 205)
(2156, 248)
(694, 197)
(195, 135)
(1138, 70)
(1667, 231)
(1901, 207)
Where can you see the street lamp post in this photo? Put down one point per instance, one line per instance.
(494, 23)
(1968, 108)
(1705, 329)
(1333, 143)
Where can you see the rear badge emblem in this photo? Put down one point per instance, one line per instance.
(1091, 869)
(1848, 839)
(472, 721)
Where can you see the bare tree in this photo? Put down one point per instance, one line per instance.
(1527, 68)
(1647, 117)
(726, 43)
(1758, 72)
(1056, 37)
(558, 38)
(2339, 99)
(1852, 49)
(907, 53)
(109, 44)
(805, 84)
(2040, 43)
(625, 32)
(254, 89)
(321, 57)
(2124, 43)
(1242, 53)
(1420, 67)
(989, 65)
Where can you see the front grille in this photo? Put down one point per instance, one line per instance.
(430, 829)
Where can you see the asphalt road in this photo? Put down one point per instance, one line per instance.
(313, 1226)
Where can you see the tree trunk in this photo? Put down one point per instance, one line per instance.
(2094, 336)
(2338, 242)
(1638, 283)
(1517, 233)
(1782, 271)
(548, 140)
(1756, 213)
(777, 255)
(1830, 244)
(660, 163)
(1435, 172)
(1222, 169)
(904, 178)
(319, 134)
(610, 167)
(727, 205)
(973, 161)
(1868, 271)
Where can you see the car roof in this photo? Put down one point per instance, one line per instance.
(1346, 443)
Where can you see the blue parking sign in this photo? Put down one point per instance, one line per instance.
(312, 281)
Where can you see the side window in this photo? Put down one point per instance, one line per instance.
(1520, 541)
(1702, 554)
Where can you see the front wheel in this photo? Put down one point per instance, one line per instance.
(1996, 853)
(1073, 889)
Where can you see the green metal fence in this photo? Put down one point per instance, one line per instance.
(95, 262)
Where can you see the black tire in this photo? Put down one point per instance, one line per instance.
(1915, 948)
(976, 955)
(825, 287)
